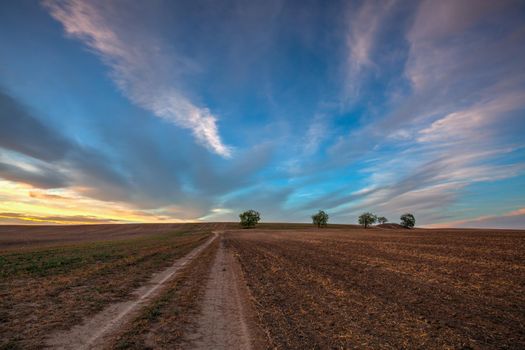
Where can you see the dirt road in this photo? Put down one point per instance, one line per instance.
(225, 320)
(95, 332)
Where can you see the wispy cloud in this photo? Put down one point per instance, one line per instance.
(317, 132)
(141, 66)
(49, 196)
(364, 24)
(513, 219)
(475, 122)
(452, 127)
(43, 177)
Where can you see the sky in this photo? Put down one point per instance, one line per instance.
(174, 111)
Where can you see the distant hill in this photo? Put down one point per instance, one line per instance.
(391, 226)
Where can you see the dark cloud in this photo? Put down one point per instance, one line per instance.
(53, 154)
(97, 174)
(42, 177)
(22, 132)
(171, 170)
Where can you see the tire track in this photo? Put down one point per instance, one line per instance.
(223, 322)
(95, 332)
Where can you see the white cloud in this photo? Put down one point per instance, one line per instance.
(141, 65)
(317, 132)
(473, 122)
(363, 27)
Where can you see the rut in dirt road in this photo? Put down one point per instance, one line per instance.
(223, 322)
(95, 332)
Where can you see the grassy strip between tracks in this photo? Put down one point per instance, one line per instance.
(164, 323)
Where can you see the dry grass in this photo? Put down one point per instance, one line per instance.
(16, 237)
(163, 324)
(48, 288)
(387, 289)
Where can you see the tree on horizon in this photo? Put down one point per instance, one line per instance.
(320, 219)
(249, 218)
(367, 219)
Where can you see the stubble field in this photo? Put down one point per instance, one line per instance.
(387, 289)
(297, 286)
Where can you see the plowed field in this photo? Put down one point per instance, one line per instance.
(377, 289)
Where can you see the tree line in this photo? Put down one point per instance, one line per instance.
(251, 217)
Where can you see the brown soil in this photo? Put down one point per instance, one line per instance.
(391, 226)
(226, 320)
(16, 237)
(387, 289)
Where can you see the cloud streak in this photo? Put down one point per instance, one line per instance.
(363, 26)
(149, 175)
(514, 220)
(452, 126)
(17, 123)
(17, 218)
(140, 66)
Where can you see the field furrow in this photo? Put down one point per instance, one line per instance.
(378, 290)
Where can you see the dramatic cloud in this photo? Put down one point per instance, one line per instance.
(169, 180)
(42, 177)
(382, 106)
(23, 133)
(140, 66)
(453, 124)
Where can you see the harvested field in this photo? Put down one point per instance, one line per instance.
(47, 288)
(391, 226)
(387, 289)
(17, 236)
(283, 286)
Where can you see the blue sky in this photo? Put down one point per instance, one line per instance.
(130, 111)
